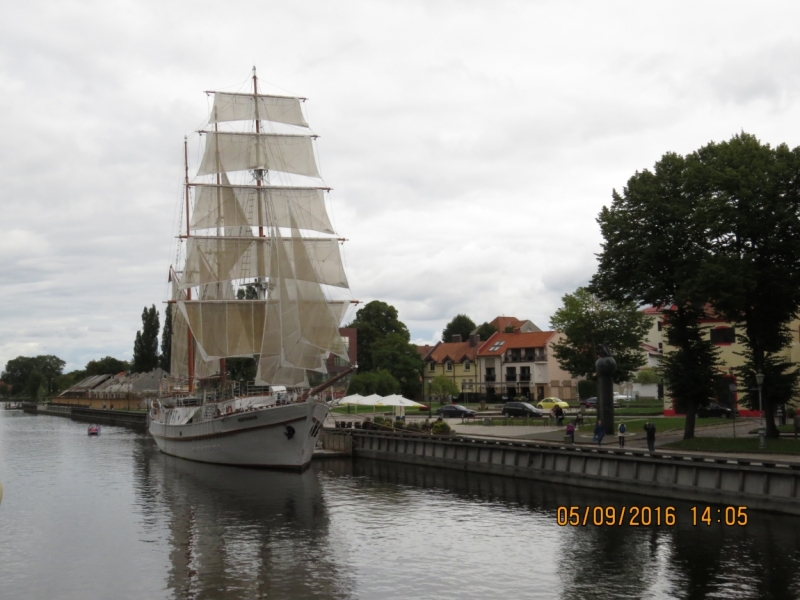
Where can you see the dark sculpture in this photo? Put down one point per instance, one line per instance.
(605, 366)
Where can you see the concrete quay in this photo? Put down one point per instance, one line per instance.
(762, 483)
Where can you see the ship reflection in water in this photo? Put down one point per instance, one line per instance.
(110, 516)
(245, 533)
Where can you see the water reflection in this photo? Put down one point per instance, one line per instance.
(242, 533)
(111, 516)
(760, 560)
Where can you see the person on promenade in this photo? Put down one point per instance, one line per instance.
(621, 430)
(796, 423)
(559, 416)
(599, 432)
(552, 416)
(650, 430)
(571, 431)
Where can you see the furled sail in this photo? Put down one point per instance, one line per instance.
(231, 206)
(249, 107)
(212, 259)
(271, 151)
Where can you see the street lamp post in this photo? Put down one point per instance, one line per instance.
(733, 395)
(762, 433)
(430, 385)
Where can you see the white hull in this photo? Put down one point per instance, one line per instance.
(251, 438)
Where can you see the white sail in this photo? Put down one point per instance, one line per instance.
(243, 151)
(249, 107)
(232, 206)
(213, 259)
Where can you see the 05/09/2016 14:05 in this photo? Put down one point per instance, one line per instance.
(646, 516)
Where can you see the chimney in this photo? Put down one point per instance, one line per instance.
(456, 338)
(474, 339)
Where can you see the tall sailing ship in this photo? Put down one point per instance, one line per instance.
(262, 277)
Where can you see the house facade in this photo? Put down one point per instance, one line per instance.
(457, 360)
(523, 364)
(724, 336)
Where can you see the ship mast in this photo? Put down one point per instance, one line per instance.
(190, 352)
(223, 365)
(259, 174)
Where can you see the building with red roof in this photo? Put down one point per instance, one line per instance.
(523, 364)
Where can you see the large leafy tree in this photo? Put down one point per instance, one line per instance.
(374, 322)
(586, 322)
(652, 253)
(32, 374)
(460, 325)
(750, 209)
(719, 226)
(396, 355)
(145, 348)
(106, 366)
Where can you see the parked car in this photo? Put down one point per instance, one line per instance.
(521, 409)
(455, 410)
(549, 403)
(621, 397)
(713, 409)
(592, 402)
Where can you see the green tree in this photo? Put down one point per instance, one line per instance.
(145, 348)
(692, 369)
(105, 366)
(26, 373)
(165, 360)
(241, 368)
(460, 325)
(376, 382)
(648, 376)
(781, 378)
(485, 330)
(443, 388)
(374, 322)
(396, 355)
(750, 209)
(653, 250)
(586, 322)
(719, 226)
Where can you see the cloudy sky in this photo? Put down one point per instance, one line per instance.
(470, 145)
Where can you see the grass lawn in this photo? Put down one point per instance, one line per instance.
(502, 422)
(779, 446)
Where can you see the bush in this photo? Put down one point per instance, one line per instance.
(440, 427)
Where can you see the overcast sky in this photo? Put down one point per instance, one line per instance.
(470, 145)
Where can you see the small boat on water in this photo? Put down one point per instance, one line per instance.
(94, 430)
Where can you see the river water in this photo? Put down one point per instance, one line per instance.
(111, 517)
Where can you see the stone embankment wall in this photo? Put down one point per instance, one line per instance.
(759, 484)
(90, 415)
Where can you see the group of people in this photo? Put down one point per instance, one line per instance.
(600, 433)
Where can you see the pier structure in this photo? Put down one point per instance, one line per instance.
(761, 483)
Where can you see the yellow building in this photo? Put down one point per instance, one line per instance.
(456, 360)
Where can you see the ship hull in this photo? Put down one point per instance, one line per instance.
(277, 437)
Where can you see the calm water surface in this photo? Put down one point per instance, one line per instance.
(112, 517)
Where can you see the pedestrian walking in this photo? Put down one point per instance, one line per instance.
(796, 423)
(621, 430)
(559, 416)
(552, 418)
(599, 432)
(650, 430)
